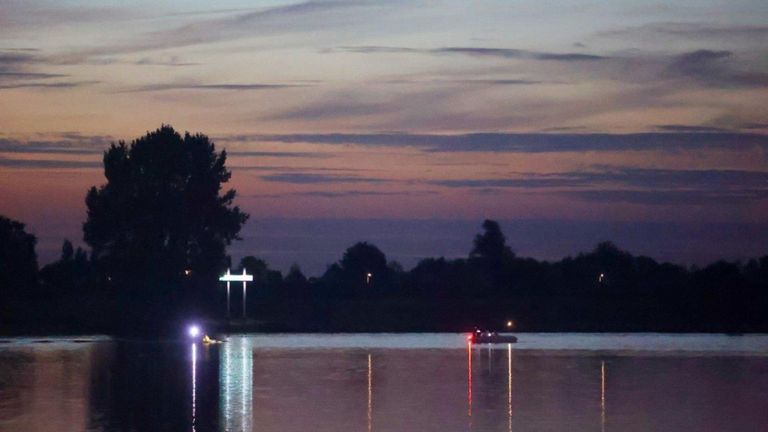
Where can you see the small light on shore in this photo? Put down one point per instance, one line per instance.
(194, 331)
(510, 324)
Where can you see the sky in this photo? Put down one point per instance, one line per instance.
(406, 123)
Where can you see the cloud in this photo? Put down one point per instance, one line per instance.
(672, 197)
(714, 68)
(500, 82)
(530, 181)
(690, 128)
(30, 75)
(329, 109)
(47, 85)
(16, 72)
(10, 59)
(276, 154)
(499, 142)
(343, 194)
(15, 65)
(506, 53)
(307, 178)
(171, 61)
(228, 87)
(645, 186)
(692, 31)
(706, 180)
(307, 16)
(64, 143)
(47, 164)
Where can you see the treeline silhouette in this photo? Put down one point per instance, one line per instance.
(158, 229)
(606, 289)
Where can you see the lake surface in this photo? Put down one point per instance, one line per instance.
(411, 382)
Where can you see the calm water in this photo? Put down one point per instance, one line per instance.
(418, 382)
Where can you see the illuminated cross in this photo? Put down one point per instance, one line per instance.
(244, 278)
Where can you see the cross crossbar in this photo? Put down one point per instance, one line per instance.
(236, 278)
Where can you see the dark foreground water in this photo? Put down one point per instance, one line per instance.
(421, 382)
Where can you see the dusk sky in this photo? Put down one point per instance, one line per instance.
(407, 123)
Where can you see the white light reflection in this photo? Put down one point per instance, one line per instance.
(236, 378)
(469, 382)
(509, 386)
(370, 393)
(194, 385)
(602, 396)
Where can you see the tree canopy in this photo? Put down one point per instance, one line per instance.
(491, 245)
(162, 210)
(18, 261)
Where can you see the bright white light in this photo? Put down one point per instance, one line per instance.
(229, 277)
(194, 331)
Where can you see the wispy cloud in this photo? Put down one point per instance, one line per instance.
(286, 19)
(30, 75)
(506, 53)
(307, 178)
(537, 142)
(691, 30)
(47, 164)
(691, 128)
(671, 197)
(711, 179)
(714, 68)
(64, 143)
(174, 61)
(278, 154)
(218, 86)
(344, 194)
(47, 85)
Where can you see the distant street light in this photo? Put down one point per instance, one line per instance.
(368, 277)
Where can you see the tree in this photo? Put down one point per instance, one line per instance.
(256, 267)
(162, 212)
(264, 278)
(295, 275)
(492, 257)
(363, 265)
(18, 262)
(295, 278)
(68, 276)
(491, 245)
(364, 259)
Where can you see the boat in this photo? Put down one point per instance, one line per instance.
(489, 337)
(208, 341)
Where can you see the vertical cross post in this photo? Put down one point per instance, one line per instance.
(244, 275)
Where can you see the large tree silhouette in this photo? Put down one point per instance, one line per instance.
(18, 264)
(162, 217)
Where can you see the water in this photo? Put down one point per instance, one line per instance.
(412, 382)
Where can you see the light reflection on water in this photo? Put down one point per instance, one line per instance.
(247, 385)
(194, 385)
(236, 378)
